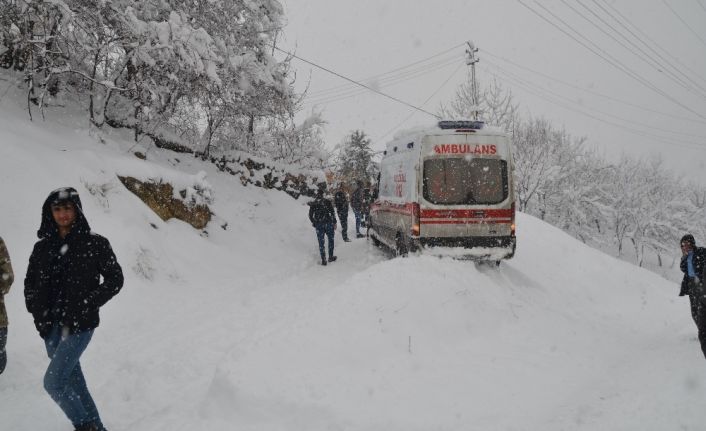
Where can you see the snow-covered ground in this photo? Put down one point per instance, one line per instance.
(240, 329)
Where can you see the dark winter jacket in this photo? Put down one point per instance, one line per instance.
(699, 261)
(6, 279)
(367, 199)
(321, 212)
(357, 200)
(63, 282)
(341, 202)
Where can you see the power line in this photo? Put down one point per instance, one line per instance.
(399, 68)
(387, 77)
(559, 81)
(646, 58)
(654, 137)
(385, 83)
(613, 62)
(570, 101)
(702, 6)
(652, 41)
(652, 48)
(703, 42)
(355, 82)
(617, 63)
(423, 103)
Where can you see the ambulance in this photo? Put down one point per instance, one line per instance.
(447, 190)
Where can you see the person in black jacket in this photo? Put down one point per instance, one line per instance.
(63, 291)
(693, 265)
(357, 204)
(323, 219)
(340, 201)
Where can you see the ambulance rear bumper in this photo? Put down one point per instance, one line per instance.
(474, 248)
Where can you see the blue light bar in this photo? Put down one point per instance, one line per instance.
(461, 125)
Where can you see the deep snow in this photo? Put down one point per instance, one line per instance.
(240, 329)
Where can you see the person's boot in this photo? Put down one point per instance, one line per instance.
(323, 262)
(332, 258)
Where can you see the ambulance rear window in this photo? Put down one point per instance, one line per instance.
(462, 181)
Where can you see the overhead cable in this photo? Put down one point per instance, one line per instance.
(605, 96)
(400, 68)
(654, 47)
(570, 101)
(703, 42)
(381, 84)
(640, 132)
(617, 63)
(608, 58)
(443, 84)
(385, 78)
(646, 58)
(355, 82)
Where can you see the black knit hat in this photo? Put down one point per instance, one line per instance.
(689, 239)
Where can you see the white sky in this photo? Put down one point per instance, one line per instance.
(364, 38)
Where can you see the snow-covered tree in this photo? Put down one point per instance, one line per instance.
(495, 105)
(302, 145)
(354, 160)
(139, 63)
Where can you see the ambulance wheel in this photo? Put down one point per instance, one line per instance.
(376, 242)
(401, 246)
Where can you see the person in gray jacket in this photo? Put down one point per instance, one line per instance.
(6, 279)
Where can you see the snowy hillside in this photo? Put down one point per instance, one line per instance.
(240, 329)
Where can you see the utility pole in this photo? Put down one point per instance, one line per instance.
(471, 60)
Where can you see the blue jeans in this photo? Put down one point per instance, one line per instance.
(357, 215)
(321, 230)
(3, 353)
(343, 218)
(64, 379)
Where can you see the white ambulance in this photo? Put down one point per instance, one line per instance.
(447, 190)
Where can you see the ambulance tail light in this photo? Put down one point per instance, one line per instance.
(512, 223)
(415, 219)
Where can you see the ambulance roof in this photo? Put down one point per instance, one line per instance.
(414, 134)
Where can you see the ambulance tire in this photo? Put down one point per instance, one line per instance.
(376, 242)
(401, 248)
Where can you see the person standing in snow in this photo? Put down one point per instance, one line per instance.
(365, 209)
(693, 265)
(340, 201)
(63, 292)
(323, 219)
(357, 202)
(6, 279)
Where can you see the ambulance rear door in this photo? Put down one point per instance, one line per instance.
(465, 180)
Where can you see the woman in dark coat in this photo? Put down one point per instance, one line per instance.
(63, 291)
(693, 265)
